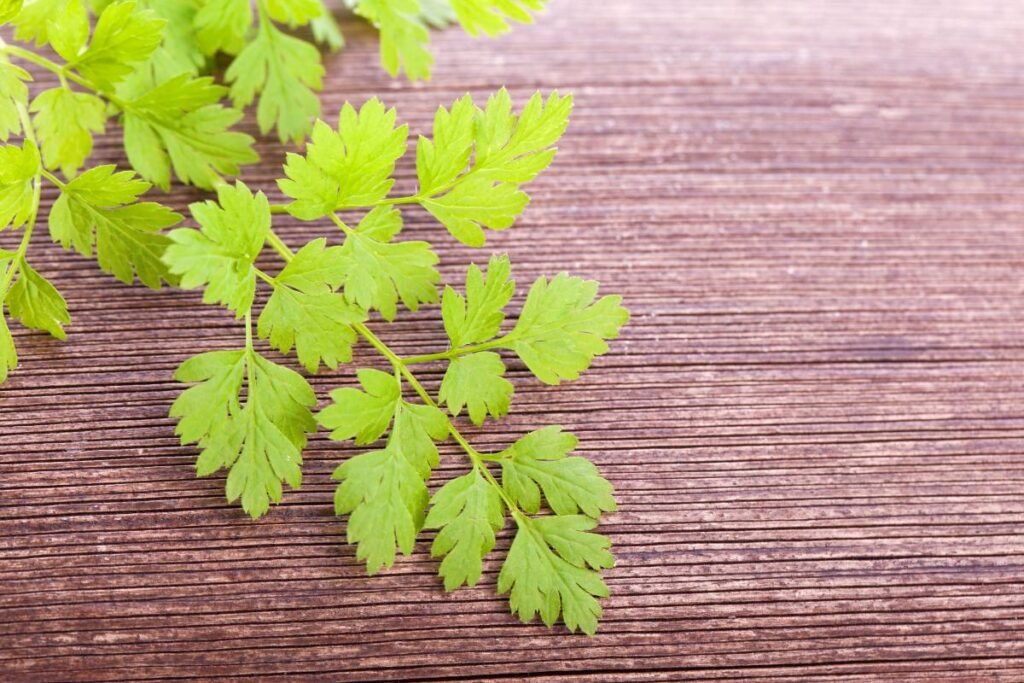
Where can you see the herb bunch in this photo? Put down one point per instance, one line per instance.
(251, 415)
(145, 63)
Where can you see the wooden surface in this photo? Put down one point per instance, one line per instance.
(815, 211)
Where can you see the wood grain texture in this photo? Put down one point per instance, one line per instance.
(814, 422)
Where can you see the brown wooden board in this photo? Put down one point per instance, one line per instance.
(814, 422)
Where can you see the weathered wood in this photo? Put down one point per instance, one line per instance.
(816, 213)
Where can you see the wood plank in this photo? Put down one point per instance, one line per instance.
(813, 422)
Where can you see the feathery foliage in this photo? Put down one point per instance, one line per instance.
(141, 64)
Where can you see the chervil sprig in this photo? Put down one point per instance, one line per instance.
(322, 301)
(29, 297)
(470, 174)
(178, 123)
(145, 60)
(553, 566)
(405, 41)
(285, 71)
(97, 213)
(140, 62)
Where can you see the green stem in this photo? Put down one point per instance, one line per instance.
(266, 278)
(341, 224)
(15, 266)
(250, 354)
(280, 247)
(474, 456)
(407, 199)
(108, 96)
(248, 331)
(386, 351)
(30, 225)
(443, 355)
(54, 179)
(401, 368)
(63, 72)
(38, 60)
(429, 357)
(29, 56)
(261, 11)
(451, 354)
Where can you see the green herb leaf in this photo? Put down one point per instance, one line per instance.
(476, 381)
(468, 511)
(293, 12)
(32, 22)
(439, 161)
(124, 35)
(69, 31)
(538, 462)
(286, 71)
(551, 570)
(326, 30)
(491, 17)
(260, 441)
(514, 149)
(64, 122)
(202, 408)
(179, 53)
(349, 167)
(13, 92)
(562, 328)
(318, 325)
(475, 204)
(9, 9)
(37, 304)
(305, 312)
(416, 429)
(404, 40)
(180, 123)
(221, 25)
(18, 168)
(506, 151)
(8, 352)
(385, 498)
(99, 209)
(220, 255)
(315, 268)
(477, 317)
(35, 19)
(384, 491)
(378, 274)
(363, 415)
(437, 13)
